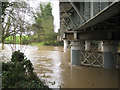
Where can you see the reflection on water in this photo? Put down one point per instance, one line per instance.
(52, 64)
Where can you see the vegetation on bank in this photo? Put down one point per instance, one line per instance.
(42, 29)
(16, 26)
(18, 73)
(32, 41)
(56, 43)
(24, 40)
(39, 44)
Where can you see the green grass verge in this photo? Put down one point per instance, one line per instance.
(32, 41)
(10, 39)
(40, 44)
(56, 43)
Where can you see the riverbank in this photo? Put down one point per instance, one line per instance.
(55, 43)
(39, 44)
(25, 40)
(31, 40)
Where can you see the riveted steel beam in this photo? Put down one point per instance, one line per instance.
(66, 22)
(68, 16)
(78, 12)
(104, 15)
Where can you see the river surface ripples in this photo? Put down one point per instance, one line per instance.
(52, 64)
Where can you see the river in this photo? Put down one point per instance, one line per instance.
(52, 64)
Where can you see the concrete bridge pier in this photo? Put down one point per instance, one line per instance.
(76, 48)
(110, 50)
(65, 44)
(87, 45)
(100, 46)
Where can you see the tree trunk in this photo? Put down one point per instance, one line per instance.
(29, 40)
(53, 43)
(3, 39)
(20, 39)
(2, 44)
(15, 41)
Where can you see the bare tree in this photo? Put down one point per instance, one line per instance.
(14, 21)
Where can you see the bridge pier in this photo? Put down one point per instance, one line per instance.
(100, 46)
(76, 48)
(87, 45)
(110, 50)
(65, 44)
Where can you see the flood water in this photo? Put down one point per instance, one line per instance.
(52, 64)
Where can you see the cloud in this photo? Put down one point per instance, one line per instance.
(55, 12)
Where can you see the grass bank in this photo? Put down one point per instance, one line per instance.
(24, 40)
(39, 44)
(32, 41)
(55, 43)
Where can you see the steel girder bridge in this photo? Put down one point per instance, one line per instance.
(83, 25)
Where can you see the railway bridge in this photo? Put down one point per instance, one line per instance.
(92, 31)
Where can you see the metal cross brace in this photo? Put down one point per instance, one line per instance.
(66, 22)
(97, 59)
(78, 12)
(86, 58)
(68, 16)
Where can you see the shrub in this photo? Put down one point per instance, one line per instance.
(18, 73)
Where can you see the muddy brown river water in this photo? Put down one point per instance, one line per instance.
(52, 64)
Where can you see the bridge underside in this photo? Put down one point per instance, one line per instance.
(82, 27)
(104, 26)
